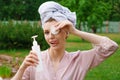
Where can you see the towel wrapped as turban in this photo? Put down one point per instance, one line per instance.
(55, 11)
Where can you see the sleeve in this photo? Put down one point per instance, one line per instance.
(99, 53)
(29, 74)
(106, 47)
(26, 75)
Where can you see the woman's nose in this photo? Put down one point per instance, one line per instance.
(51, 35)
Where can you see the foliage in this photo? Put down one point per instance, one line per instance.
(115, 14)
(20, 10)
(99, 12)
(18, 35)
(28, 9)
(92, 12)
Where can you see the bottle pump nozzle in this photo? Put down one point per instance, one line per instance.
(34, 42)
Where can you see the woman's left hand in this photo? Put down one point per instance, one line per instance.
(66, 25)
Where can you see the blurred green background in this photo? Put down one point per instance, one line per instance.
(19, 20)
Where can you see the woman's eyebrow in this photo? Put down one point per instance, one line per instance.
(46, 30)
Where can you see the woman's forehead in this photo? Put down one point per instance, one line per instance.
(49, 24)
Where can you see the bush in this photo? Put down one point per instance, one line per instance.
(16, 34)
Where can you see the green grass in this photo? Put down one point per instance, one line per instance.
(113, 36)
(107, 70)
(73, 46)
(5, 71)
(73, 38)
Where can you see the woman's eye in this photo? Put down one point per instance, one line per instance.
(46, 33)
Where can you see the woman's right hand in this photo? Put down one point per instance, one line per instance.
(30, 60)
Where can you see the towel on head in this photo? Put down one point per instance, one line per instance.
(55, 11)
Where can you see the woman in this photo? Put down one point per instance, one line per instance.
(58, 64)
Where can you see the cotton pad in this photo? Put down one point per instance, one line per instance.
(53, 30)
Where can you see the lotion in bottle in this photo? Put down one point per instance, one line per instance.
(36, 48)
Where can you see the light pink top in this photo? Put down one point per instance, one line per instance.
(74, 65)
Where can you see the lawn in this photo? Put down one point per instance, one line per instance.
(108, 70)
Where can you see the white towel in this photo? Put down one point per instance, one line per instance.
(51, 9)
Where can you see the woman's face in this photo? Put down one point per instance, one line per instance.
(56, 41)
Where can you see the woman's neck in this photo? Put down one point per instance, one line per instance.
(56, 55)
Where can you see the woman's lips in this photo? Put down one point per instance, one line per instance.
(53, 43)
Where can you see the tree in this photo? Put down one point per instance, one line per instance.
(115, 14)
(99, 12)
(92, 12)
(20, 9)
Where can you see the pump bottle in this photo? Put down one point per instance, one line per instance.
(36, 48)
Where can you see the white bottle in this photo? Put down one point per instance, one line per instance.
(36, 48)
(1, 78)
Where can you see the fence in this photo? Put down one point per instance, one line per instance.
(108, 27)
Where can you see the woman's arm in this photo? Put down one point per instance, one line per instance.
(19, 74)
(30, 60)
(104, 47)
(90, 37)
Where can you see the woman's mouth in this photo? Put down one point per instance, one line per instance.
(53, 43)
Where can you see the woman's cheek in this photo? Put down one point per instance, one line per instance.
(46, 39)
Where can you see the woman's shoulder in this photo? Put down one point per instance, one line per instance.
(79, 53)
(72, 54)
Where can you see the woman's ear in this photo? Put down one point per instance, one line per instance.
(67, 34)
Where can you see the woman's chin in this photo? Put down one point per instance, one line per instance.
(56, 47)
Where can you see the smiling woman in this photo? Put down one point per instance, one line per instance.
(58, 63)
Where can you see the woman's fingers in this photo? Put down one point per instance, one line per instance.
(31, 64)
(66, 25)
(30, 60)
(33, 55)
(60, 25)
